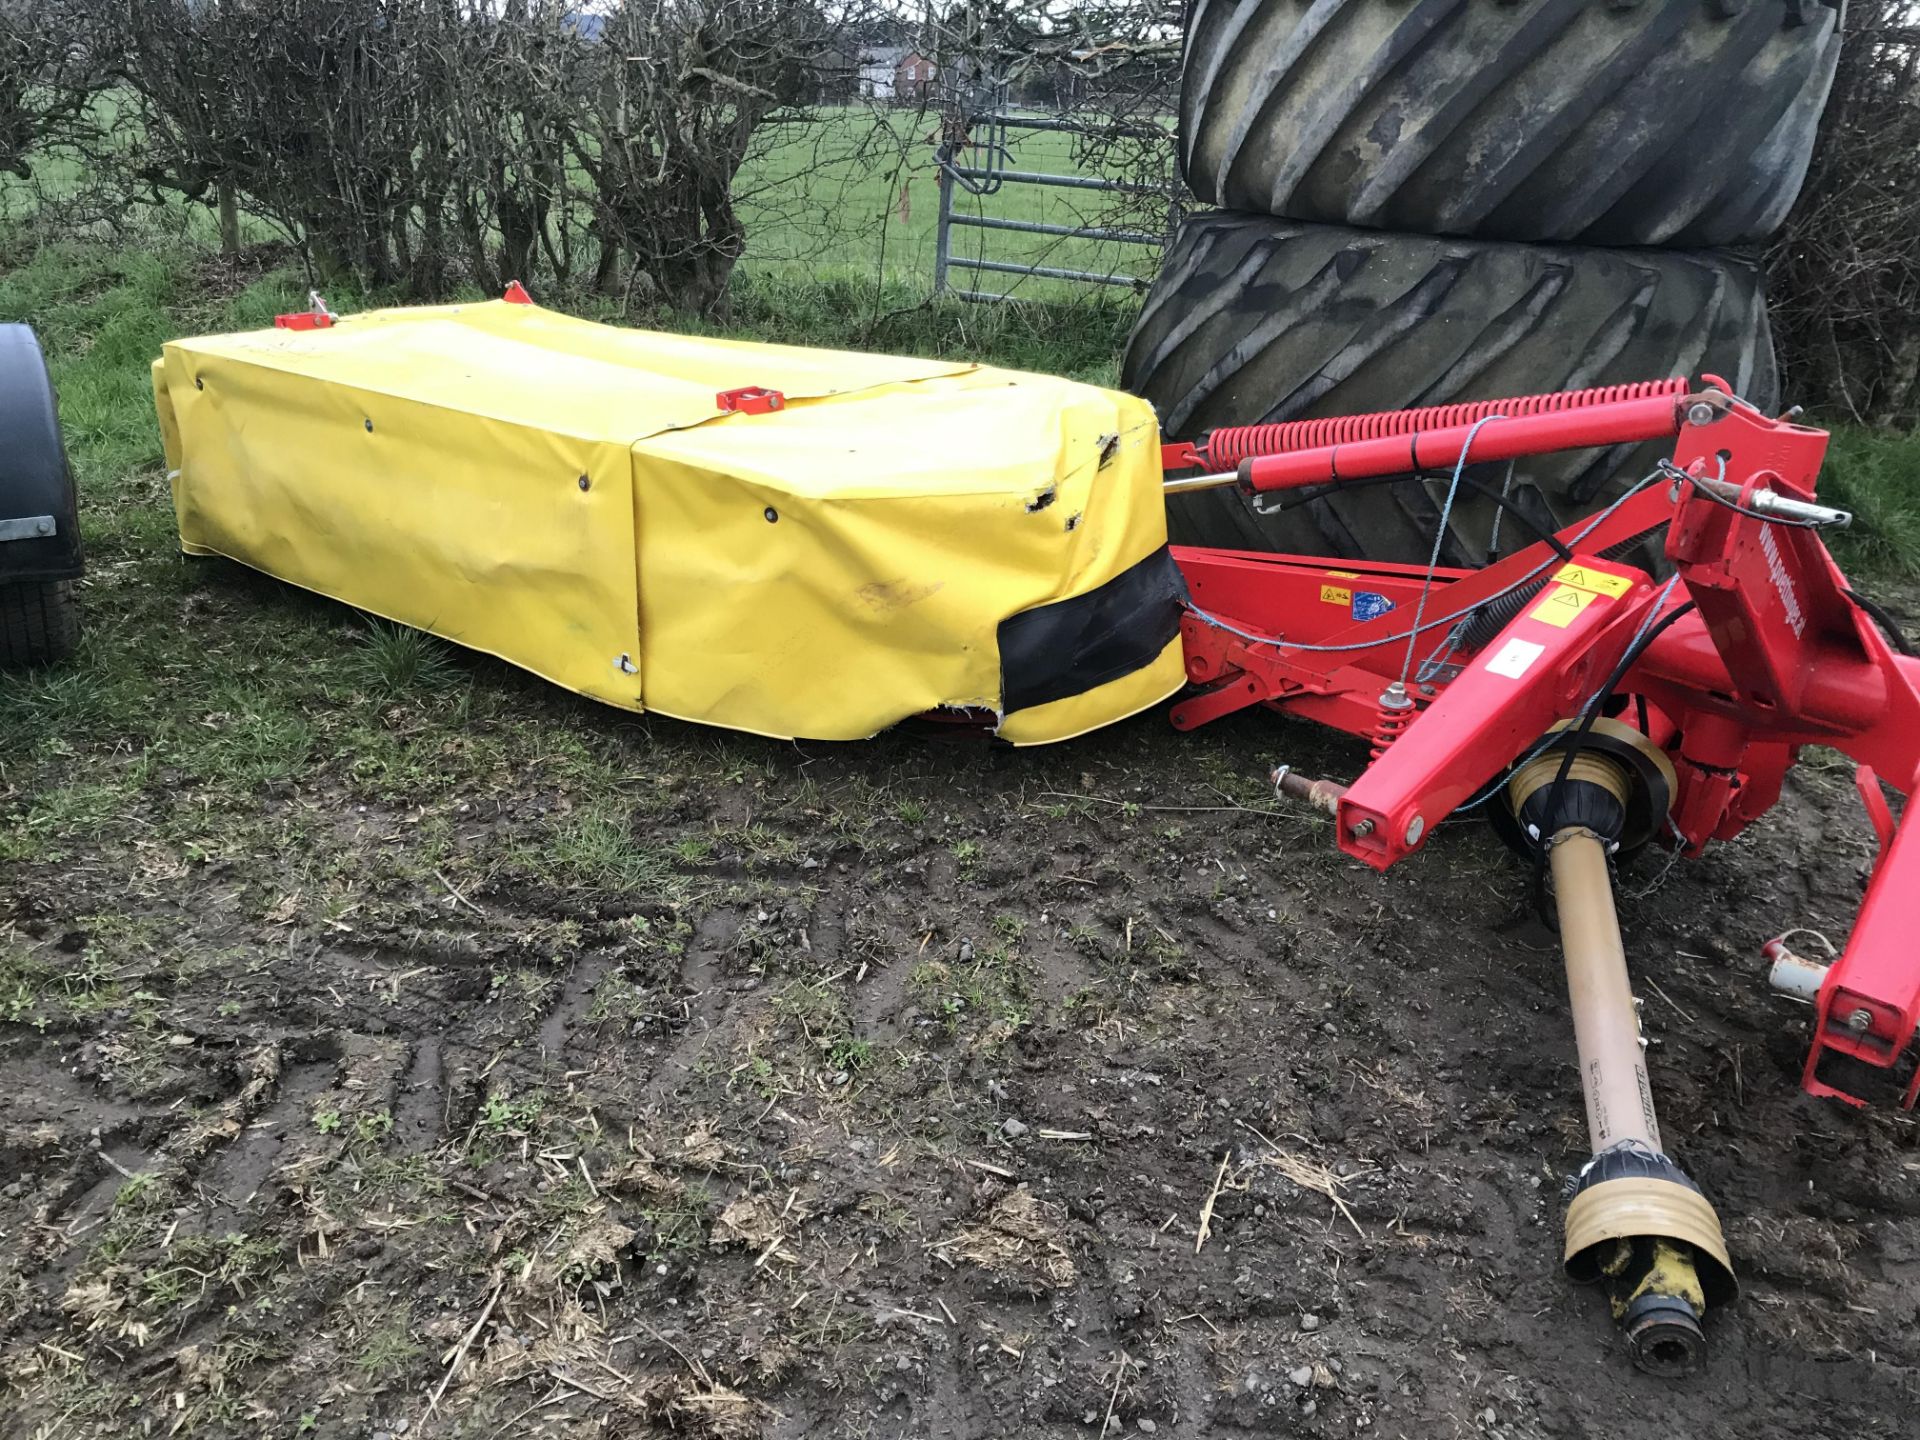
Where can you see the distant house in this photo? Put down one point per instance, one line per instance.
(914, 77)
(879, 71)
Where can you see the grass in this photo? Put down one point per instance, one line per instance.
(387, 1349)
(1877, 476)
(858, 192)
(395, 661)
(602, 847)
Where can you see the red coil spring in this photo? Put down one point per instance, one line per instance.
(1388, 722)
(1230, 445)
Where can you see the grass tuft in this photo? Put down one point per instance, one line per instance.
(395, 661)
(1876, 475)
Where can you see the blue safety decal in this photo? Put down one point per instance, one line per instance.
(1369, 605)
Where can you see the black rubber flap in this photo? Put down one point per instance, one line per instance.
(1078, 644)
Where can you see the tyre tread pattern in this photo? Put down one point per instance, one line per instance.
(1255, 320)
(39, 624)
(1607, 122)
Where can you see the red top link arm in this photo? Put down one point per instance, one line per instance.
(1524, 431)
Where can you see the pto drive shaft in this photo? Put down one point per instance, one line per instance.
(1634, 1221)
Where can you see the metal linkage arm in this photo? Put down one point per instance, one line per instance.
(1540, 670)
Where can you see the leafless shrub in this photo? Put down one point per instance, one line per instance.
(324, 116)
(413, 142)
(668, 121)
(1111, 66)
(423, 144)
(1845, 272)
(47, 77)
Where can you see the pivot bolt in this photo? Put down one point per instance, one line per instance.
(1701, 413)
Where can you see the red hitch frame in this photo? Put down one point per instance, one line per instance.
(1775, 653)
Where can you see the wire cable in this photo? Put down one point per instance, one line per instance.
(1503, 505)
(1888, 625)
(1725, 504)
(1440, 539)
(1281, 643)
(1506, 489)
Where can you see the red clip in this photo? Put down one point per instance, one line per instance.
(517, 294)
(315, 317)
(750, 400)
(1179, 455)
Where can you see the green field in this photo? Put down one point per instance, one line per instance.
(825, 193)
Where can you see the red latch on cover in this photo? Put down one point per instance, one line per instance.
(315, 317)
(750, 400)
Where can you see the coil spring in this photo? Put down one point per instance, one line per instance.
(1228, 446)
(1389, 720)
(1490, 619)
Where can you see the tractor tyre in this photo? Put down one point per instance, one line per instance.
(1255, 320)
(39, 624)
(1628, 122)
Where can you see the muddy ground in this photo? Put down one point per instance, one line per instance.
(877, 1090)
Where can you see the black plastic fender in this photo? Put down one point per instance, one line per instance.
(39, 516)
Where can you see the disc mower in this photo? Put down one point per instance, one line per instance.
(806, 544)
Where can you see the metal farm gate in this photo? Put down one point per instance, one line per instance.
(985, 134)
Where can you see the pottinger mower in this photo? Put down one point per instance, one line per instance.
(852, 540)
(1593, 708)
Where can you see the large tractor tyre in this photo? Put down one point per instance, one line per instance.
(38, 623)
(1255, 320)
(1628, 122)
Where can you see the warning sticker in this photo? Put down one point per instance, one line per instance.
(1561, 604)
(1598, 581)
(1343, 574)
(1335, 595)
(1515, 658)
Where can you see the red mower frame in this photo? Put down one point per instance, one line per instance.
(1757, 647)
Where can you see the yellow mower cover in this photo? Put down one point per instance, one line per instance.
(904, 535)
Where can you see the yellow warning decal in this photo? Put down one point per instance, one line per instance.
(1334, 595)
(1598, 581)
(1343, 574)
(1561, 604)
